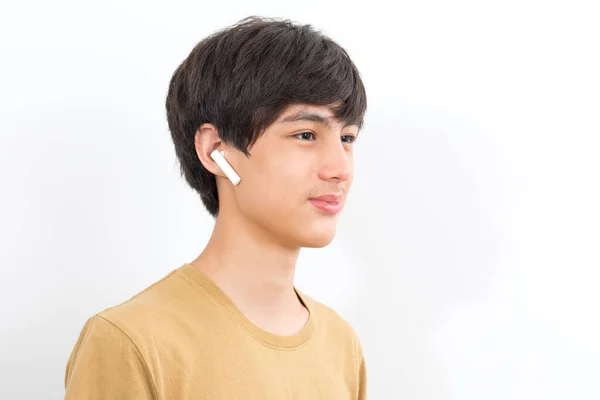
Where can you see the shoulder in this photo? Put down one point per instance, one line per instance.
(150, 301)
(330, 317)
(157, 312)
(334, 326)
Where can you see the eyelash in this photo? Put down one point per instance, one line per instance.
(352, 137)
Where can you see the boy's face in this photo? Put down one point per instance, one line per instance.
(303, 155)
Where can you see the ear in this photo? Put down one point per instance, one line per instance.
(206, 141)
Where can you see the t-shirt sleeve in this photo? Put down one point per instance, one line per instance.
(106, 364)
(362, 380)
(362, 372)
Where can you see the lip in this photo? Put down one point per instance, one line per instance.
(330, 198)
(329, 204)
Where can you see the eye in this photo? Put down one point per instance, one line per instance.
(349, 138)
(305, 135)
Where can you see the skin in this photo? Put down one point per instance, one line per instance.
(267, 218)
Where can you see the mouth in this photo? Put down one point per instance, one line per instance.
(328, 207)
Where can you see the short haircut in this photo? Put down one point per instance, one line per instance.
(243, 77)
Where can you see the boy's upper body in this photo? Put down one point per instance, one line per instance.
(183, 338)
(284, 104)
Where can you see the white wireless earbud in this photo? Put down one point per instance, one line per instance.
(225, 167)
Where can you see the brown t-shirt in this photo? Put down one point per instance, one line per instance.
(183, 338)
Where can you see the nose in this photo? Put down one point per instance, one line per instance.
(336, 162)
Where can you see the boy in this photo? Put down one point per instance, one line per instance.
(281, 104)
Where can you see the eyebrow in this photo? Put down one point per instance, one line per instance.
(309, 116)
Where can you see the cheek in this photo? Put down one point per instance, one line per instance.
(276, 187)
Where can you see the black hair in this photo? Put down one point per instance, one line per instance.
(243, 77)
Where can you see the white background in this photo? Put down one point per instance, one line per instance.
(467, 257)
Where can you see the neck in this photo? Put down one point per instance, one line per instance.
(255, 271)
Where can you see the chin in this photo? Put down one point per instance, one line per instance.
(305, 230)
(317, 244)
(317, 238)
